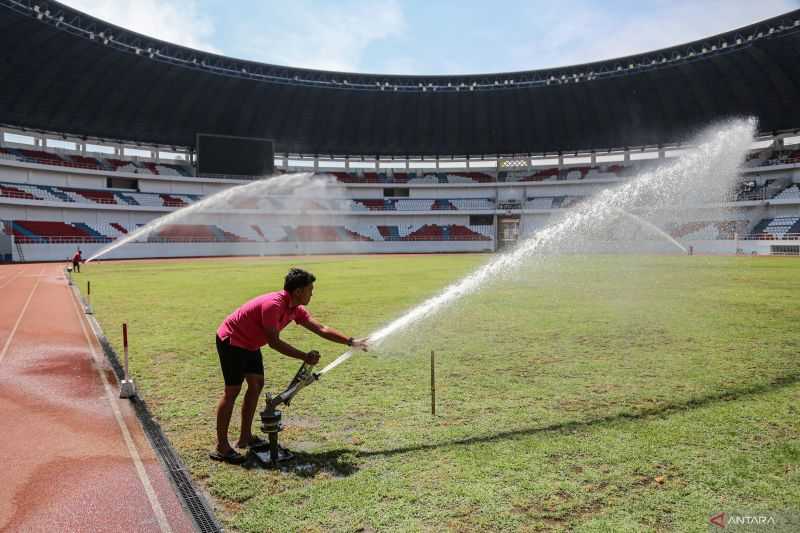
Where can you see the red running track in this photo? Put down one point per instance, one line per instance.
(73, 455)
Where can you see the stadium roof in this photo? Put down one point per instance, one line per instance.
(66, 71)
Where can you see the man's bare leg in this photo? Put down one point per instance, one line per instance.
(224, 412)
(255, 382)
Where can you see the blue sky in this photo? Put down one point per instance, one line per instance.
(433, 36)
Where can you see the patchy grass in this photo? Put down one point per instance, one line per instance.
(586, 393)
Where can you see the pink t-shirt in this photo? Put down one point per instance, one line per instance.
(247, 326)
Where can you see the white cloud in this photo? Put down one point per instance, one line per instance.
(331, 36)
(585, 33)
(175, 21)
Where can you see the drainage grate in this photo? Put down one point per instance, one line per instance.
(195, 504)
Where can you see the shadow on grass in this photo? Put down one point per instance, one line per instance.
(342, 462)
(567, 427)
(337, 463)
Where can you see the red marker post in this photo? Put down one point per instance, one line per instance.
(126, 389)
(88, 308)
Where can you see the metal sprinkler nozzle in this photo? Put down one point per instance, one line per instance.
(271, 416)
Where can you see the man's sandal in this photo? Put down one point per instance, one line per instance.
(232, 457)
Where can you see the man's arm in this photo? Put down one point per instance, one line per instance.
(333, 335)
(274, 341)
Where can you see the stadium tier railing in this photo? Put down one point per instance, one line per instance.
(768, 237)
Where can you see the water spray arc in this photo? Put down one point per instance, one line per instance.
(229, 199)
(703, 174)
(653, 228)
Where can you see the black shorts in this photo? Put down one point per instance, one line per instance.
(236, 362)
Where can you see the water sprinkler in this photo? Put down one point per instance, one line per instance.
(271, 416)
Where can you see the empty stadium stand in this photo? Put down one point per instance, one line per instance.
(776, 228)
(415, 178)
(42, 232)
(790, 193)
(42, 157)
(709, 230)
(52, 193)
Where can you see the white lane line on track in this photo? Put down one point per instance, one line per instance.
(12, 278)
(126, 435)
(19, 318)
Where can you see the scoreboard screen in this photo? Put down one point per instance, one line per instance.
(224, 155)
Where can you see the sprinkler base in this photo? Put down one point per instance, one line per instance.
(265, 457)
(127, 389)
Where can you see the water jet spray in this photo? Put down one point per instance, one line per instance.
(718, 153)
(297, 186)
(651, 227)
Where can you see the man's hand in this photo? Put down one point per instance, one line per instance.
(360, 344)
(312, 357)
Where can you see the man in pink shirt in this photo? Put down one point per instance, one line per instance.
(76, 261)
(239, 340)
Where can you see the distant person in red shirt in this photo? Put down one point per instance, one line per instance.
(239, 340)
(76, 261)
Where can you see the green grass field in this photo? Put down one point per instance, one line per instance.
(610, 393)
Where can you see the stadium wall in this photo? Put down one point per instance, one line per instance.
(58, 252)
